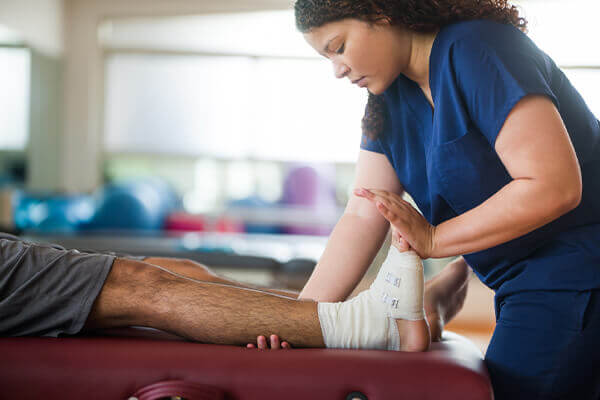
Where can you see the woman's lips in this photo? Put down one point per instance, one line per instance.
(362, 82)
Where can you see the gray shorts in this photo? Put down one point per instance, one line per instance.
(46, 290)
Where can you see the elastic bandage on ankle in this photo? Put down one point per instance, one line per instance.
(400, 285)
(359, 323)
(368, 320)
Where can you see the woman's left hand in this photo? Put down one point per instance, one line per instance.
(409, 224)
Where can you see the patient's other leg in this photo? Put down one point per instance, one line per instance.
(445, 295)
(195, 270)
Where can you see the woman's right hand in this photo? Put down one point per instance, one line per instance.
(275, 343)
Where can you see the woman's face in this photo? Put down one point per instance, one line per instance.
(369, 55)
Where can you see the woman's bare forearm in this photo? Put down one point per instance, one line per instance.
(350, 250)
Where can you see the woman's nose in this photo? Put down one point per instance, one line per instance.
(340, 70)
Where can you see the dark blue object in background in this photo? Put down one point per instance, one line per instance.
(134, 205)
(51, 212)
(256, 202)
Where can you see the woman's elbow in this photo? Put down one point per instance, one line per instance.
(570, 196)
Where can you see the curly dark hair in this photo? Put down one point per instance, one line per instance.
(417, 15)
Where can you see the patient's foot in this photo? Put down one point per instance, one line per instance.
(414, 335)
(445, 295)
(397, 295)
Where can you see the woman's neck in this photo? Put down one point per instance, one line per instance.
(418, 63)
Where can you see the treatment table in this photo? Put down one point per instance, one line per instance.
(142, 363)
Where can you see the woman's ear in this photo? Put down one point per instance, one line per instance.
(381, 19)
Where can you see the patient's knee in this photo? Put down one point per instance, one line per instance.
(129, 295)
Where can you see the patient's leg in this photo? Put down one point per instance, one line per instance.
(138, 293)
(141, 294)
(444, 293)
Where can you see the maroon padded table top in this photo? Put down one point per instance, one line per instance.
(111, 367)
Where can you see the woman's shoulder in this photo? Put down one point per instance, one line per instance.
(467, 45)
(482, 35)
(479, 29)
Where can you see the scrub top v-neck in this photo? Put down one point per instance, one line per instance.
(445, 158)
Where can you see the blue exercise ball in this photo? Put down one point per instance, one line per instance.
(134, 205)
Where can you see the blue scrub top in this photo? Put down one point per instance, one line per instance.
(446, 160)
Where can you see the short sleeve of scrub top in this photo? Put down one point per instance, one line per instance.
(492, 80)
(373, 145)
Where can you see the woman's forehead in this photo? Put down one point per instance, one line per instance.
(329, 30)
(319, 37)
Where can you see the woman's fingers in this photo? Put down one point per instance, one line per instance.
(371, 193)
(418, 233)
(277, 344)
(384, 209)
(384, 202)
(399, 242)
(360, 192)
(261, 341)
(393, 198)
(274, 343)
(381, 195)
(402, 245)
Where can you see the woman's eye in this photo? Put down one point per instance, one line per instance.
(341, 49)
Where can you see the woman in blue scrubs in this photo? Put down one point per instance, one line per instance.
(502, 156)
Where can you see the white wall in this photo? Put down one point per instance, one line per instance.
(38, 22)
(66, 31)
(83, 77)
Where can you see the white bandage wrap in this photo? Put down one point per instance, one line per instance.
(359, 323)
(368, 320)
(400, 285)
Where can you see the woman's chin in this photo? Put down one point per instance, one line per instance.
(374, 91)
